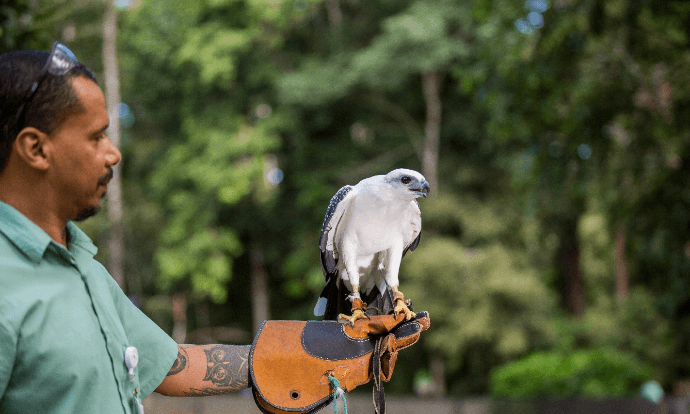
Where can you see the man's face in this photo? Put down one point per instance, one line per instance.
(82, 156)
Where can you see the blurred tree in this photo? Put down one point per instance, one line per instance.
(600, 373)
(214, 151)
(210, 151)
(370, 100)
(593, 94)
(16, 29)
(36, 25)
(111, 74)
(562, 136)
(489, 306)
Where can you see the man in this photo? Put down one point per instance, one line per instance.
(70, 340)
(65, 327)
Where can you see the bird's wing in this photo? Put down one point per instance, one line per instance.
(334, 212)
(326, 305)
(416, 214)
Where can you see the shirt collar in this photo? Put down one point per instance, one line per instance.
(33, 240)
(80, 239)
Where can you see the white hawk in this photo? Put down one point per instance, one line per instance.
(367, 230)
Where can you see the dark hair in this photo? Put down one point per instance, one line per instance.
(54, 101)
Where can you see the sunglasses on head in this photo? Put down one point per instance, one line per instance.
(60, 61)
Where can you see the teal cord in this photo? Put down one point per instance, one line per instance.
(337, 391)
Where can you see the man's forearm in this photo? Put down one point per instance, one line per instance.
(201, 370)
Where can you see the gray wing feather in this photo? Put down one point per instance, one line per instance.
(333, 214)
(413, 245)
(415, 242)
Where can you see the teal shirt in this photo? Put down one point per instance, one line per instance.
(65, 325)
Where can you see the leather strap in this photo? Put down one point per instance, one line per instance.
(379, 396)
(358, 304)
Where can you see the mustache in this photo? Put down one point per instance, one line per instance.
(106, 177)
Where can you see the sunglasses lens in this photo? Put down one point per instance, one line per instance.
(62, 60)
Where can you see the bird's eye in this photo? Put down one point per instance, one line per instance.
(405, 180)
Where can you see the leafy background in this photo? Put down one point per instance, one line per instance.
(555, 253)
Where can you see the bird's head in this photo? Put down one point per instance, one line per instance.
(409, 180)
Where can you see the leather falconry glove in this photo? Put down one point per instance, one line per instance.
(292, 364)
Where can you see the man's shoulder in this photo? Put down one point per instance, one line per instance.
(14, 267)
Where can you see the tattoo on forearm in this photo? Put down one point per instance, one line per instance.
(180, 362)
(205, 392)
(226, 368)
(226, 365)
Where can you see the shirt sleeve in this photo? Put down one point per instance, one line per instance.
(8, 351)
(157, 350)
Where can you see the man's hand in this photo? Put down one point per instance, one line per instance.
(207, 370)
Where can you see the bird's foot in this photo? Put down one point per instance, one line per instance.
(357, 314)
(358, 307)
(401, 307)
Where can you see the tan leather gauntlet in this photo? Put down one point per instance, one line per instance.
(290, 361)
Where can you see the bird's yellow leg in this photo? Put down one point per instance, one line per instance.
(400, 306)
(357, 308)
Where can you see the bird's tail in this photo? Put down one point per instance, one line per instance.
(320, 307)
(327, 298)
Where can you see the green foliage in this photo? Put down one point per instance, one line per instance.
(36, 25)
(15, 24)
(550, 140)
(614, 348)
(481, 296)
(423, 37)
(597, 254)
(597, 373)
(216, 156)
(488, 305)
(633, 325)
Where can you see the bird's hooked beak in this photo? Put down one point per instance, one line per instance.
(423, 190)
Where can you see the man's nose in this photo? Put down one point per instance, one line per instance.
(114, 155)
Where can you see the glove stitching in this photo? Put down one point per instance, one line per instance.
(415, 341)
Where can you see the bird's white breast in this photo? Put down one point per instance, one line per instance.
(375, 222)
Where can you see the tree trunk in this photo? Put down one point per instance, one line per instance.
(335, 20)
(569, 256)
(438, 374)
(432, 138)
(179, 311)
(335, 15)
(432, 130)
(260, 307)
(116, 242)
(576, 302)
(622, 275)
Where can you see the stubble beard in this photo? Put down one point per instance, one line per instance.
(87, 212)
(93, 210)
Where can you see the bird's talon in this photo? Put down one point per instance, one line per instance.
(401, 307)
(356, 315)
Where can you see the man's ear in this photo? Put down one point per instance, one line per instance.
(30, 146)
